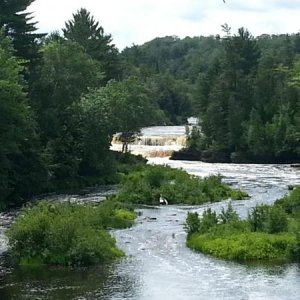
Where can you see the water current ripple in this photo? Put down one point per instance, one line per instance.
(168, 270)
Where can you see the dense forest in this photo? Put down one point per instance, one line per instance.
(64, 94)
(244, 90)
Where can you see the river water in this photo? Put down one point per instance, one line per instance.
(159, 265)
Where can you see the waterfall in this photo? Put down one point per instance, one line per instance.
(156, 141)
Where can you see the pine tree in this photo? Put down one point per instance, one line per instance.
(84, 30)
(19, 27)
(22, 172)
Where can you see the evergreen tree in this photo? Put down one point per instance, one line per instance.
(84, 30)
(22, 171)
(172, 96)
(241, 59)
(20, 28)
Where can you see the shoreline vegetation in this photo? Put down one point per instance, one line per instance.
(147, 183)
(67, 234)
(214, 156)
(269, 234)
(77, 235)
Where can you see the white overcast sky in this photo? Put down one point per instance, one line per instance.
(138, 21)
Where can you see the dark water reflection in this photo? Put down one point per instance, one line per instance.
(60, 283)
(52, 283)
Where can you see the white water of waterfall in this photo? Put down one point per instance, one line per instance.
(157, 141)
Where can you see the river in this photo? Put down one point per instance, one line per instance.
(159, 265)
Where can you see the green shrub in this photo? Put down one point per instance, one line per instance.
(291, 202)
(127, 162)
(209, 219)
(258, 217)
(125, 214)
(233, 227)
(277, 220)
(238, 195)
(295, 249)
(228, 215)
(67, 234)
(192, 224)
(270, 219)
(177, 186)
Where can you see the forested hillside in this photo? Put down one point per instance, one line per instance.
(63, 95)
(244, 89)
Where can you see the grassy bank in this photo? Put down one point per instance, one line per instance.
(271, 233)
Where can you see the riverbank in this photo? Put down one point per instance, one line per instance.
(212, 156)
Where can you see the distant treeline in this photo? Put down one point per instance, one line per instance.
(245, 91)
(63, 95)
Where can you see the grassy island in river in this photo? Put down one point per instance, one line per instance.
(147, 183)
(67, 234)
(271, 233)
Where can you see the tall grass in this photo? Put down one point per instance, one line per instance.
(250, 246)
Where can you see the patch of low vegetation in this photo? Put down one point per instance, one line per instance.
(67, 234)
(251, 246)
(270, 233)
(145, 185)
(291, 202)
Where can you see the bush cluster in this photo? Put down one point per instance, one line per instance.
(291, 202)
(265, 235)
(291, 205)
(270, 219)
(210, 220)
(145, 185)
(67, 234)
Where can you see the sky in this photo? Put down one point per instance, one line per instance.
(138, 21)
